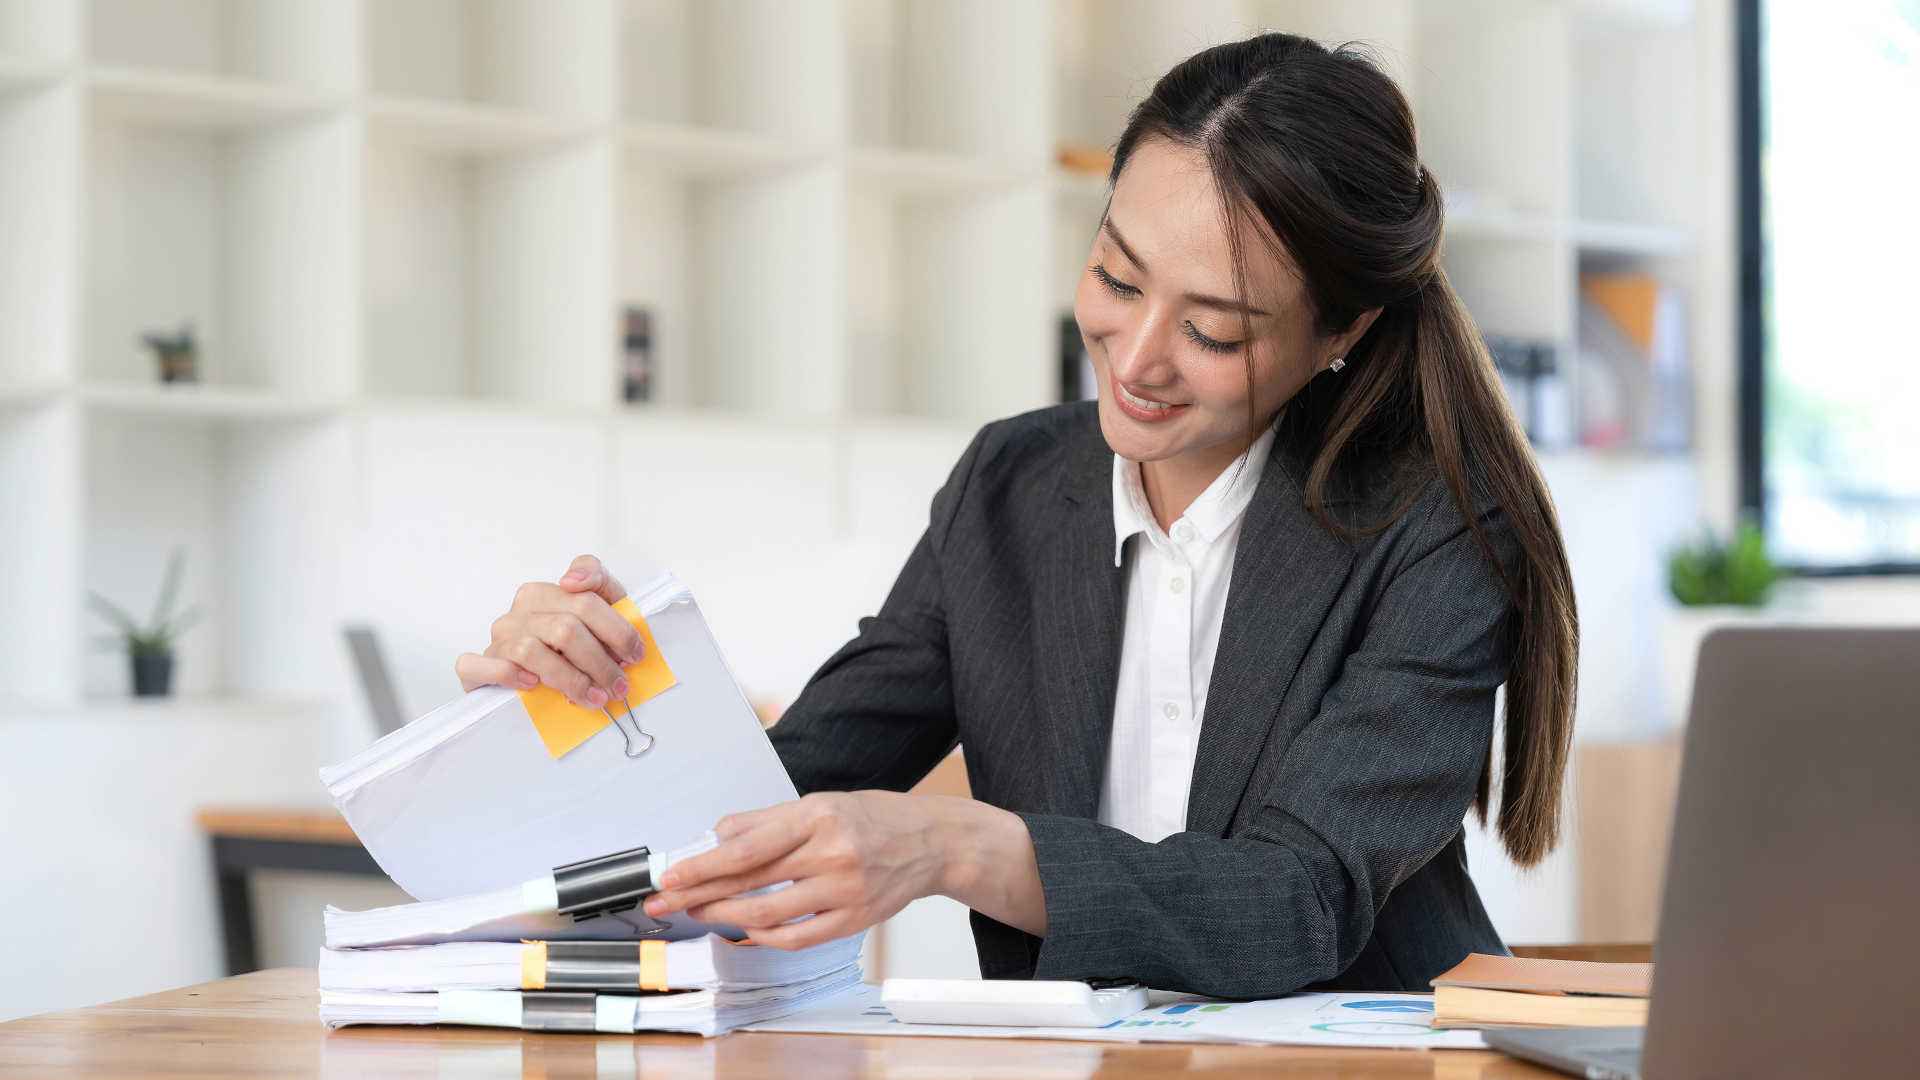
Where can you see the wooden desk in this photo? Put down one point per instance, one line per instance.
(266, 1023)
(281, 838)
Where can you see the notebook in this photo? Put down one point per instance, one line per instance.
(698, 1012)
(706, 963)
(498, 787)
(1510, 991)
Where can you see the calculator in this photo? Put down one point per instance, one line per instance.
(1012, 1002)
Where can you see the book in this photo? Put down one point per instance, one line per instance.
(707, 963)
(1511, 991)
(697, 1012)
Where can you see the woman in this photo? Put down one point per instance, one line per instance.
(1222, 649)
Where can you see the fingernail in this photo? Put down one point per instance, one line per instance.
(639, 654)
(620, 686)
(528, 680)
(596, 697)
(573, 577)
(656, 906)
(670, 879)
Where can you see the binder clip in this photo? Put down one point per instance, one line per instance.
(606, 885)
(638, 742)
(544, 1010)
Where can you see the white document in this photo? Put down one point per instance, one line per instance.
(709, 963)
(698, 1012)
(467, 799)
(1309, 1019)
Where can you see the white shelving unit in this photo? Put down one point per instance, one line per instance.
(385, 216)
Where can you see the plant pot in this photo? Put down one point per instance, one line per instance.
(1682, 629)
(178, 365)
(152, 675)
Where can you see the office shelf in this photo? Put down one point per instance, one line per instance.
(404, 232)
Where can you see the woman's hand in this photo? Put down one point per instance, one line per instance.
(856, 858)
(567, 636)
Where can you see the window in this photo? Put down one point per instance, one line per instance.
(1829, 223)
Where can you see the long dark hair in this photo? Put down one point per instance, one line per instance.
(1319, 143)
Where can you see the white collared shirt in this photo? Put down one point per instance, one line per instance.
(1176, 595)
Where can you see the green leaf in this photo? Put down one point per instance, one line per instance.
(1710, 572)
(112, 612)
(181, 622)
(169, 587)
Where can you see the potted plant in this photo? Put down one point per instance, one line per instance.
(150, 646)
(177, 354)
(1713, 583)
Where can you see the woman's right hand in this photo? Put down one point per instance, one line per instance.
(565, 635)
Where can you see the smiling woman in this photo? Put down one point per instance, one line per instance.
(1222, 649)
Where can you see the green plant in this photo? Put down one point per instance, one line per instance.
(1710, 572)
(163, 344)
(157, 637)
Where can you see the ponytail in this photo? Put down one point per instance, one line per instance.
(1315, 148)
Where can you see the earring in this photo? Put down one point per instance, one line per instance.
(1335, 364)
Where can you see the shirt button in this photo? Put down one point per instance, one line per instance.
(1183, 530)
(1171, 711)
(1178, 584)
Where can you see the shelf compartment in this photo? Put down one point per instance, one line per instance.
(485, 273)
(543, 56)
(741, 279)
(1507, 151)
(950, 314)
(191, 101)
(294, 43)
(766, 67)
(246, 502)
(1638, 155)
(245, 233)
(970, 79)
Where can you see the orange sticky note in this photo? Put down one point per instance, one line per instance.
(563, 725)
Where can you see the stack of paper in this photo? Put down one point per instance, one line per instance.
(704, 986)
(472, 807)
(700, 1012)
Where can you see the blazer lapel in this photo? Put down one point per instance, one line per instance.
(1286, 572)
(1077, 618)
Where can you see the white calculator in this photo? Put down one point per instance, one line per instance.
(1012, 1002)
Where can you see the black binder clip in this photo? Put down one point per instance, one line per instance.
(638, 742)
(545, 1010)
(606, 885)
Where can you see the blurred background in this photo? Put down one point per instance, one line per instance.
(331, 314)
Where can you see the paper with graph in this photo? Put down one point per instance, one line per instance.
(1311, 1019)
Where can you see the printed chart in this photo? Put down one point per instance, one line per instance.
(1384, 1020)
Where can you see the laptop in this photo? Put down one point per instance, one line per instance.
(1789, 935)
(376, 682)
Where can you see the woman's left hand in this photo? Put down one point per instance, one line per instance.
(855, 858)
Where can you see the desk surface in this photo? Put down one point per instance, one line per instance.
(313, 825)
(266, 1023)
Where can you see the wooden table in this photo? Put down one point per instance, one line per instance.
(266, 1023)
(244, 839)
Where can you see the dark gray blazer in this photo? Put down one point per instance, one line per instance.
(1347, 724)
